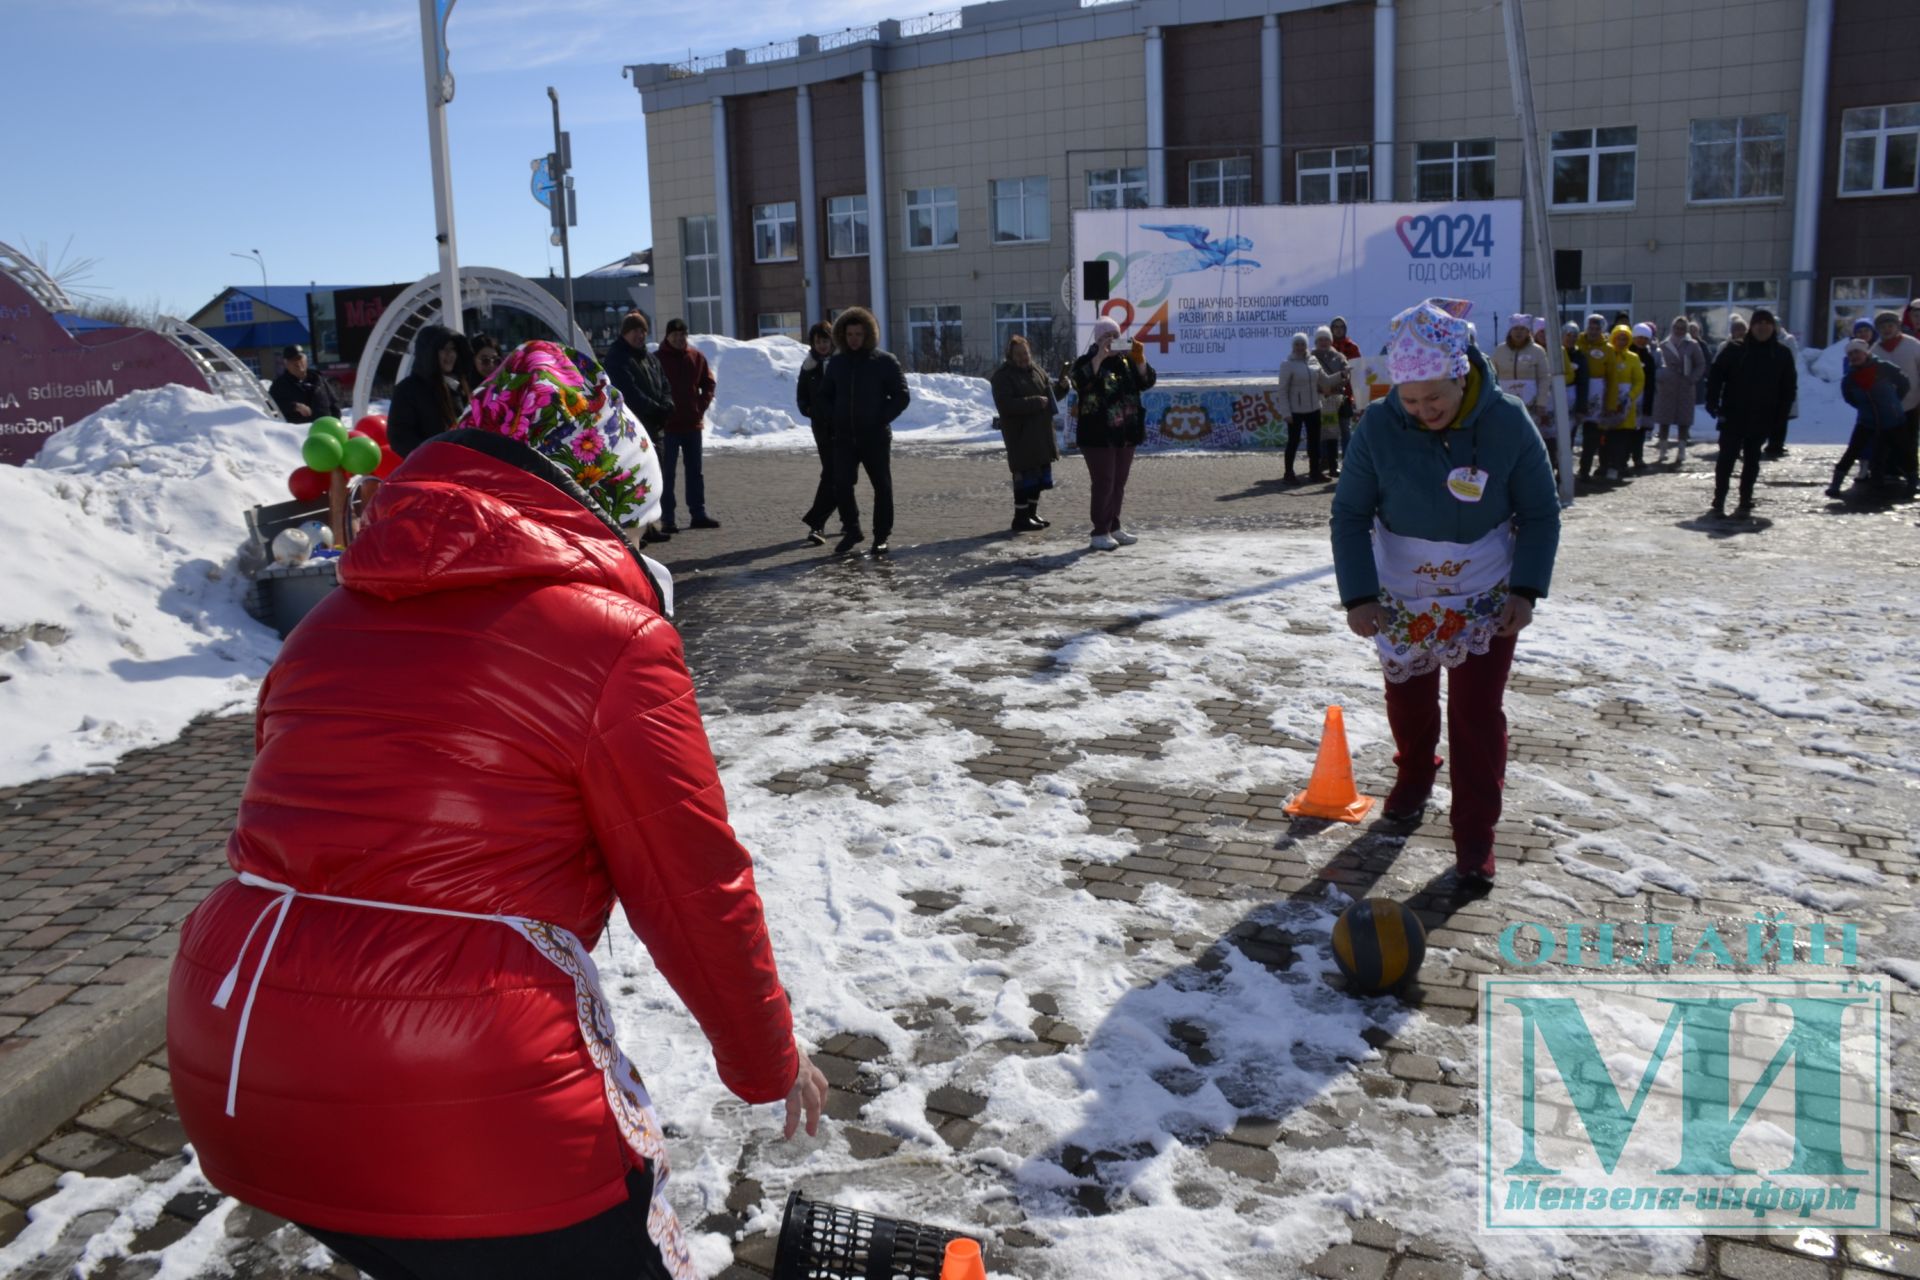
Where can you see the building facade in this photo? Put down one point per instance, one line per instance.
(1704, 159)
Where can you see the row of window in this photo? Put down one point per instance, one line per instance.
(1714, 302)
(1731, 158)
(936, 334)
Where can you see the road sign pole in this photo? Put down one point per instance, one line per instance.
(563, 207)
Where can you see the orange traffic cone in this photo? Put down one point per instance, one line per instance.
(1330, 793)
(963, 1261)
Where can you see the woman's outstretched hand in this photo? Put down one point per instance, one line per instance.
(808, 1096)
(1367, 620)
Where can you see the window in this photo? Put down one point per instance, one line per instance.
(1031, 320)
(238, 310)
(771, 323)
(700, 260)
(1577, 304)
(776, 234)
(1117, 188)
(1343, 175)
(1211, 183)
(1880, 150)
(1594, 168)
(1020, 211)
(1453, 170)
(1714, 302)
(1862, 297)
(933, 335)
(933, 218)
(1737, 158)
(846, 226)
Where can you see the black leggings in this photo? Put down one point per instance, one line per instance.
(613, 1245)
(1742, 446)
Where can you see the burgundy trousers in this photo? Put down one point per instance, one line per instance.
(1107, 469)
(1476, 742)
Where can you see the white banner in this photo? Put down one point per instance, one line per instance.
(1221, 291)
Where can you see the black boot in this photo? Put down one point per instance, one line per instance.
(1033, 512)
(1023, 521)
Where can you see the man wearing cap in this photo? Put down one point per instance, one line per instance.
(303, 393)
(1902, 351)
(1445, 525)
(1750, 389)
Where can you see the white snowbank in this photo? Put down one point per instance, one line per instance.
(122, 619)
(754, 407)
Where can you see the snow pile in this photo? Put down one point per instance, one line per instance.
(754, 404)
(122, 619)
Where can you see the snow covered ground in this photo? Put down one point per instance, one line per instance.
(122, 618)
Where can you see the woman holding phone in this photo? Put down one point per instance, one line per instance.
(1112, 424)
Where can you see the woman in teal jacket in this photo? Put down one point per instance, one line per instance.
(1445, 524)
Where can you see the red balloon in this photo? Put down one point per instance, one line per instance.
(307, 485)
(388, 461)
(373, 426)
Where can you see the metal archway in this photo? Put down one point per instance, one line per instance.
(481, 288)
(226, 375)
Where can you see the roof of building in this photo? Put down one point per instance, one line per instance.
(638, 263)
(290, 298)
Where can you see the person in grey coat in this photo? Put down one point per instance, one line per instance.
(1683, 366)
(1301, 384)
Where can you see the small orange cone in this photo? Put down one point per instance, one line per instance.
(963, 1261)
(1330, 793)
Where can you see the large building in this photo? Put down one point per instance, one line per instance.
(1704, 157)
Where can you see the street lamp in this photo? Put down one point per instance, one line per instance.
(254, 254)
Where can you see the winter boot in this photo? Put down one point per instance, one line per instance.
(1023, 521)
(1033, 510)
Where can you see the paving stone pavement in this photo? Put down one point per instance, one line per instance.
(95, 870)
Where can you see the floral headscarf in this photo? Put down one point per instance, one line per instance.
(1429, 341)
(558, 402)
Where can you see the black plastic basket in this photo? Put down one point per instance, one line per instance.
(820, 1241)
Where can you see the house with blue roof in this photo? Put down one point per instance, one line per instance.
(256, 323)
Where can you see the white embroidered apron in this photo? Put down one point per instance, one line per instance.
(1443, 599)
(625, 1092)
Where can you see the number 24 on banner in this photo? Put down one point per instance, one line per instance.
(1153, 333)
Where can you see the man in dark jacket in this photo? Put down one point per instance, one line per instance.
(825, 500)
(302, 393)
(1875, 388)
(1750, 389)
(861, 391)
(433, 395)
(690, 380)
(638, 377)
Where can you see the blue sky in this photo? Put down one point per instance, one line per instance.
(162, 135)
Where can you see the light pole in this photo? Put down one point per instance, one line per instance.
(254, 254)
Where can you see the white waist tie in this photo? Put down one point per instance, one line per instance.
(625, 1092)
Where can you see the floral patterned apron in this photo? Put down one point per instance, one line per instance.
(1443, 599)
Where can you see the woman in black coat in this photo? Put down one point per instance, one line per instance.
(1110, 424)
(1024, 397)
(433, 395)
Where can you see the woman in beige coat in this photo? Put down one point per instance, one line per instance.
(1683, 363)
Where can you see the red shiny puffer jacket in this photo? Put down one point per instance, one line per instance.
(491, 717)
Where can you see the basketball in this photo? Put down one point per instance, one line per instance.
(1378, 944)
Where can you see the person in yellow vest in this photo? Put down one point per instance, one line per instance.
(1618, 413)
(1591, 346)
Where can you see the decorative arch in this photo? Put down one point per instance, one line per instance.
(21, 268)
(482, 288)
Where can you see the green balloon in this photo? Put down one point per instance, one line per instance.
(322, 452)
(328, 426)
(361, 456)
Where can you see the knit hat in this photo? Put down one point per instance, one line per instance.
(1569, 327)
(1300, 340)
(1521, 322)
(1596, 316)
(1761, 313)
(1429, 341)
(558, 402)
(1323, 332)
(1886, 317)
(1105, 327)
(1857, 345)
(1643, 330)
(1862, 323)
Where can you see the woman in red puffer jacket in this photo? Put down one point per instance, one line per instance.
(386, 1029)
